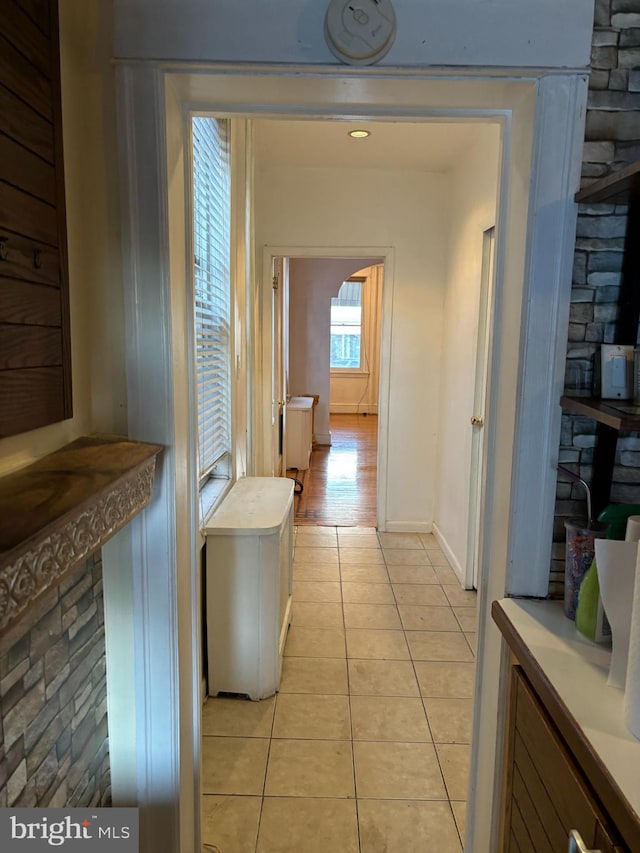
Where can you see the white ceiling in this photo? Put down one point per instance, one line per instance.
(426, 146)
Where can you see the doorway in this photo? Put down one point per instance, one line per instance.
(543, 138)
(332, 376)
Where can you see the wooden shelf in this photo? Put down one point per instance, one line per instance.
(56, 512)
(618, 188)
(608, 412)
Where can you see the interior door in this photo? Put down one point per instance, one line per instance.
(476, 477)
(279, 362)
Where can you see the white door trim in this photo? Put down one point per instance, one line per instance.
(482, 359)
(542, 139)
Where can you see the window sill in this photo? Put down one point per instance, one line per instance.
(211, 496)
(343, 372)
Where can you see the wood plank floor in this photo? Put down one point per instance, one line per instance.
(340, 484)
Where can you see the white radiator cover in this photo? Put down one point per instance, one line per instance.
(299, 432)
(249, 557)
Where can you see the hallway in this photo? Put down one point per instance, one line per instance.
(365, 749)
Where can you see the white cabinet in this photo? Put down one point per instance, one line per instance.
(249, 555)
(299, 432)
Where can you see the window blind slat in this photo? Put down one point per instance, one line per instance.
(212, 297)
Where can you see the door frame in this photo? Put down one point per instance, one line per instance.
(480, 393)
(386, 254)
(154, 563)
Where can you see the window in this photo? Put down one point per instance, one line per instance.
(346, 327)
(212, 293)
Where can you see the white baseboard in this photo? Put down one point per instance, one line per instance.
(353, 409)
(451, 557)
(322, 438)
(407, 527)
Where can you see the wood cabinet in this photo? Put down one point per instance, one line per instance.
(35, 362)
(570, 763)
(546, 794)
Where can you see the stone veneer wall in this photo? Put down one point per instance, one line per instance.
(612, 142)
(53, 721)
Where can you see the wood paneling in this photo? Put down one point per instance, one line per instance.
(514, 847)
(28, 304)
(26, 215)
(539, 794)
(545, 790)
(29, 346)
(38, 11)
(26, 171)
(572, 803)
(520, 832)
(30, 261)
(26, 126)
(24, 80)
(31, 398)
(529, 814)
(35, 348)
(26, 36)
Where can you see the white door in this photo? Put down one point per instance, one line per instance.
(279, 362)
(476, 478)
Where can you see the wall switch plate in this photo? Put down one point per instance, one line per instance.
(617, 372)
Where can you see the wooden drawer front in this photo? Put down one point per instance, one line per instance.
(548, 796)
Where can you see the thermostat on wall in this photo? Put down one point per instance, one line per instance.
(360, 32)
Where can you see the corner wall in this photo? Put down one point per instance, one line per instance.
(473, 188)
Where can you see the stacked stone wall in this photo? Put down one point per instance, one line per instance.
(612, 141)
(53, 707)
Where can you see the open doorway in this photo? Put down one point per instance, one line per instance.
(331, 353)
(541, 121)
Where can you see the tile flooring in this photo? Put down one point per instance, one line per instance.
(365, 749)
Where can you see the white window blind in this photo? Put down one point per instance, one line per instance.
(212, 291)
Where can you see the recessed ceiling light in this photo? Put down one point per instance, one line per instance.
(359, 134)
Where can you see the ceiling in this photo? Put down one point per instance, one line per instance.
(425, 146)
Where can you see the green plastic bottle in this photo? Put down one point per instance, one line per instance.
(588, 600)
(591, 620)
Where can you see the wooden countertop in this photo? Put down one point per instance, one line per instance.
(569, 673)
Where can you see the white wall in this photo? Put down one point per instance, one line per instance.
(357, 391)
(400, 209)
(312, 283)
(95, 267)
(473, 196)
(534, 33)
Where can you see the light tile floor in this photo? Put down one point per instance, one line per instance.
(365, 749)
